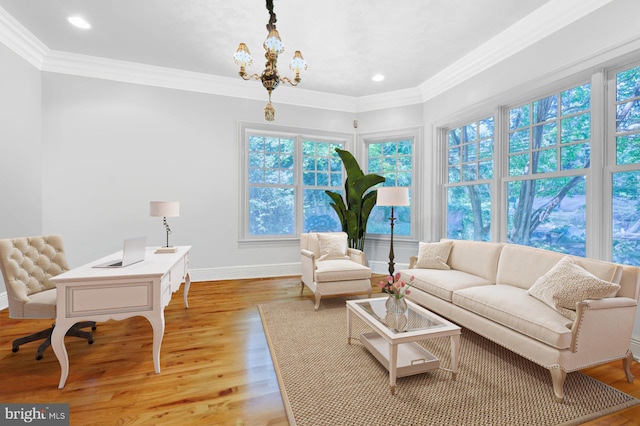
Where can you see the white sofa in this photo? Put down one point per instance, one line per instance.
(487, 290)
(331, 268)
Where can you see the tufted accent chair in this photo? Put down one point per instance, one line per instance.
(27, 264)
(330, 268)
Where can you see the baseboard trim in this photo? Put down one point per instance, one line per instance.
(4, 301)
(244, 272)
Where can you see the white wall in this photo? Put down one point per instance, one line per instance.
(20, 149)
(111, 147)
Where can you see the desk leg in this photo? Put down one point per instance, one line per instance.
(57, 343)
(455, 354)
(187, 284)
(157, 324)
(393, 365)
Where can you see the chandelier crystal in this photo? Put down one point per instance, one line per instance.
(270, 78)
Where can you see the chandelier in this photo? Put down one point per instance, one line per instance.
(269, 77)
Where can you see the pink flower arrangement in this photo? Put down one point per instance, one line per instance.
(395, 286)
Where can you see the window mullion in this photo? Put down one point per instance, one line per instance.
(501, 170)
(596, 227)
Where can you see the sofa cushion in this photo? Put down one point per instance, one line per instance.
(475, 257)
(340, 270)
(521, 266)
(566, 284)
(332, 246)
(514, 308)
(434, 255)
(442, 283)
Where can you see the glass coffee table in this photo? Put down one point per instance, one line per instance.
(396, 349)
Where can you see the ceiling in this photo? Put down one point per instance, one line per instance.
(345, 42)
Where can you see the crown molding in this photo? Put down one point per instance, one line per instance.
(551, 17)
(131, 72)
(17, 38)
(393, 99)
(541, 23)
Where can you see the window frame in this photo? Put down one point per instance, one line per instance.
(588, 172)
(247, 129)
(444, 164)
(611, 166)
(415, 134)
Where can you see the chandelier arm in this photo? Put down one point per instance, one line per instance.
(288, 80)
(250, 77)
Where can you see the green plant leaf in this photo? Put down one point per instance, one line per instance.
(354, 209)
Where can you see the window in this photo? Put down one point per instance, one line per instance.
(548, 151)
(392, 158)
(285, 176)
(469, 175)
(625, 204)
(271, 185)
(321, 170)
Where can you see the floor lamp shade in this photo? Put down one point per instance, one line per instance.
(393, 196)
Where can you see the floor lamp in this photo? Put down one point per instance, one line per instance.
(165, 209)
(392, 196)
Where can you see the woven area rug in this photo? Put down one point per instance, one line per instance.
(325, 381)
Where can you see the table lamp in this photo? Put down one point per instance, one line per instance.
(165, 209)
(392, 196)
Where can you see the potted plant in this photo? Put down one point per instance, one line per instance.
(354, 214)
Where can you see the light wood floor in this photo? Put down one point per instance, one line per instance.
(216, 366)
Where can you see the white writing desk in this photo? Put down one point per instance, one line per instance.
(99, 294)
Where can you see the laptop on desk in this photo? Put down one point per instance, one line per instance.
(132, 252)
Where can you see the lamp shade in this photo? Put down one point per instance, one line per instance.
(242, 56)
(393, 196)
(164, 208)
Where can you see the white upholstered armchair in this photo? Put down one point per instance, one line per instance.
(329, 267)
(27, 264)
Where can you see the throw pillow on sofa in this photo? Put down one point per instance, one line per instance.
(332, 246)
(568, 283)
(434, 255)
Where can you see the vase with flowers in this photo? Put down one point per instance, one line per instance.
(396, 305)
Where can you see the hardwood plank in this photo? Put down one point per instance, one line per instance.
(216, 365)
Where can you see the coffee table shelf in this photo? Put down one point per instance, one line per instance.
(412, 358)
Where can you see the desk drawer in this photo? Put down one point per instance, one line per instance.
(109, 298)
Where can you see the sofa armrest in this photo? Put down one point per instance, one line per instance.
(603, 325)
(412, 261)
(356, 256)
(308, 262)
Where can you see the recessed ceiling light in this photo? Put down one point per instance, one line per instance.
(79, 21)
(377, 77)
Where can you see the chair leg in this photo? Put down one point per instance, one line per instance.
(43, 347)
(74, 331)
(31, 338)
